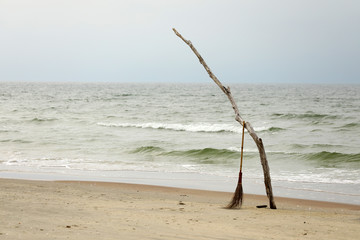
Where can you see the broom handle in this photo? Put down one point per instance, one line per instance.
(242, 146)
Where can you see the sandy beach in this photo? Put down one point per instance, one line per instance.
(97, 210)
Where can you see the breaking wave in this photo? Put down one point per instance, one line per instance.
(197, 127)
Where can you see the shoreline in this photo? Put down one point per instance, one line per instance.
(106, 210)
(193, 181)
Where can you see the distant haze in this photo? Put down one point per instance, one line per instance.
(254, 41)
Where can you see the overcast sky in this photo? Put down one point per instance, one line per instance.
(253, 41)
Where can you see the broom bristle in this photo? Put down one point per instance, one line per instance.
(237, 198)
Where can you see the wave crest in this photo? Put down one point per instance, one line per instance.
(200, 156)
(196, 127)
(334, 157)
(308, 115)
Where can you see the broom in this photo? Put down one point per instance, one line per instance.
(238, 195)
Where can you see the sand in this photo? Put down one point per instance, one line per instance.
(94, 210)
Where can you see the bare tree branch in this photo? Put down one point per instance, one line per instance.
(238, 118)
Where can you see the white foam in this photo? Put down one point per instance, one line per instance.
(196, 127)
(347, 176)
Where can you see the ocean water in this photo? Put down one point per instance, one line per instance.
(185, 135)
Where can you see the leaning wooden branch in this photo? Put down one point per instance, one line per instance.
(249, 128)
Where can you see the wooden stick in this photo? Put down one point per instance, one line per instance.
(249, 128)
(242, 146)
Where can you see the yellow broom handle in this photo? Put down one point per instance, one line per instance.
(242, 146)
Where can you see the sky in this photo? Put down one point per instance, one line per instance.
(242, 41)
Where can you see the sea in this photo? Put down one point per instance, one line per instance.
(185, 135)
